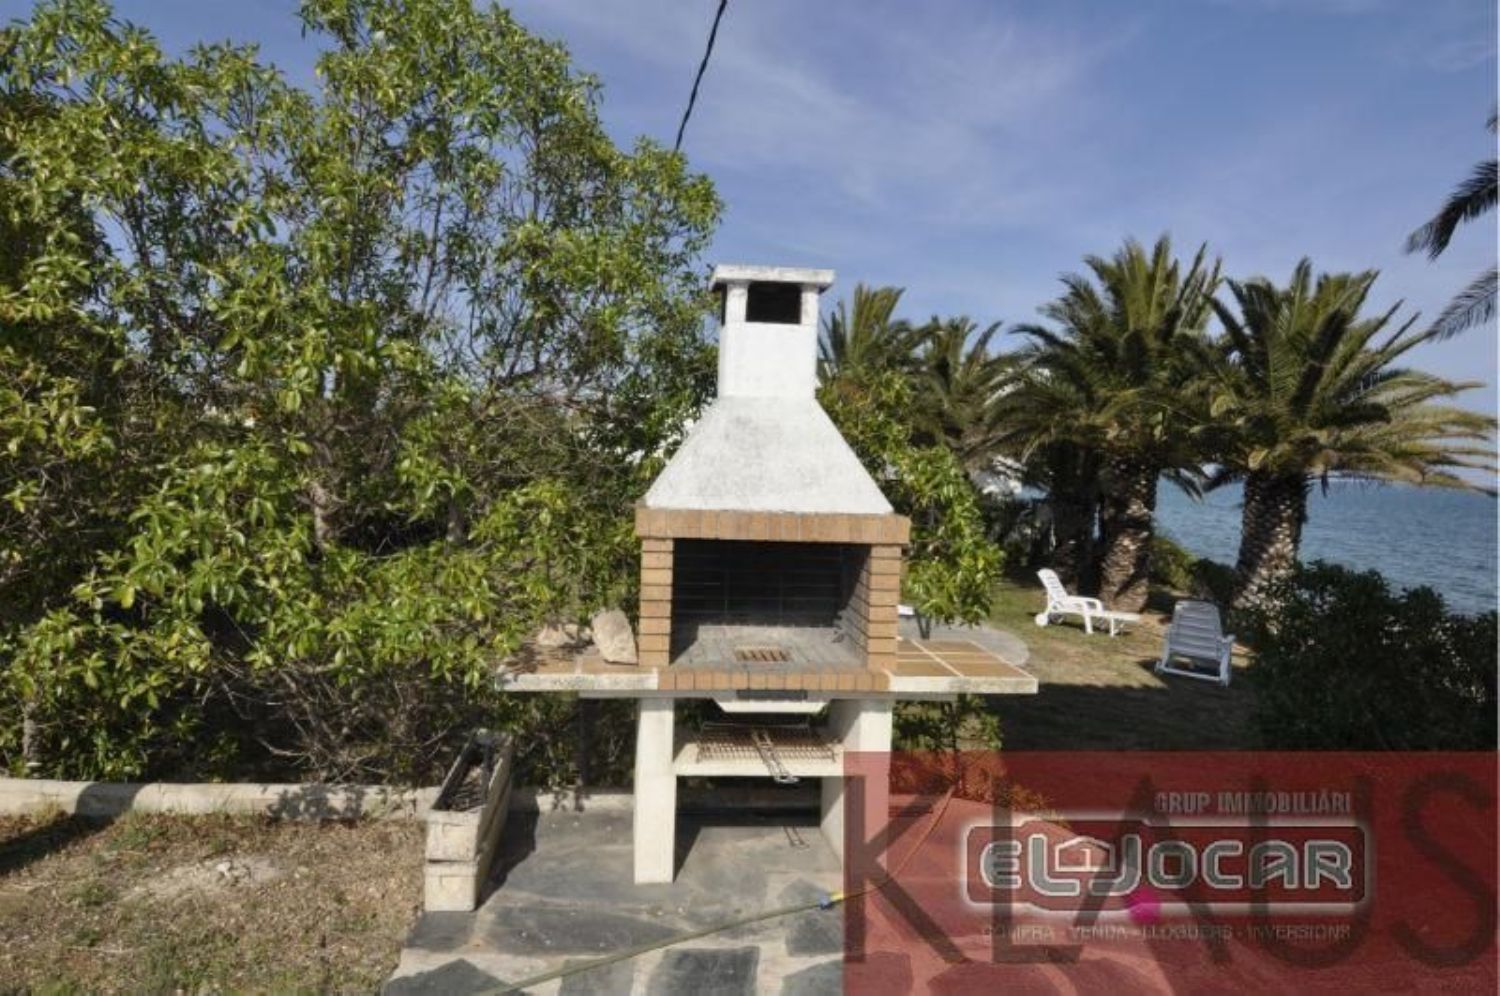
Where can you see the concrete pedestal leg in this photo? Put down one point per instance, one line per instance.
(655, 827)
(862, 725)
(831, 814)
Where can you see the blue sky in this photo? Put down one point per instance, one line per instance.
(971, 151)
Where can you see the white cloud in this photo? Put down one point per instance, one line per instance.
(974, 151)
(863, 105)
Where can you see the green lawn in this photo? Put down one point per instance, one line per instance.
(1099, 693)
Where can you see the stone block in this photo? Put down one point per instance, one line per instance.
(613, 636)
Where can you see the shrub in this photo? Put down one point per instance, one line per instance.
(1176, 569)
(969, 723)
(1172, 566)
(1345, 664)
(952, 566)
(1213, 581)
(1012, 523)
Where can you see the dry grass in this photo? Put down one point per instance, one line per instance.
(144, 904)
(1099, 693)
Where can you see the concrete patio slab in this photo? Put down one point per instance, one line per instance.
(561, 894)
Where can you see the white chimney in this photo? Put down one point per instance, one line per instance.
(765, 444)
(768, 342)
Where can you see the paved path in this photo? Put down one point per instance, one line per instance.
(564, 896)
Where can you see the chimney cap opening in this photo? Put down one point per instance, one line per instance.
(769, 303)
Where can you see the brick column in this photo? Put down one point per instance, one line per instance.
(654, 640)
(874, 615)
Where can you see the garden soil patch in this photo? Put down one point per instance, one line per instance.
(165, 903)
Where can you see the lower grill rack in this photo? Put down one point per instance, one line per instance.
(774, 745)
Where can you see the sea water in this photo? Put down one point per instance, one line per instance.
(1446, 540)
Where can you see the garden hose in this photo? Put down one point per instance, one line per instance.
(827, 902)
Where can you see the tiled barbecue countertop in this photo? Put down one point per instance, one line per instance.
(922, 667)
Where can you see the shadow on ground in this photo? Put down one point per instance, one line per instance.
(1171, 713)
(49, 837)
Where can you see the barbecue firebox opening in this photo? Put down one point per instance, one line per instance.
(766, 604)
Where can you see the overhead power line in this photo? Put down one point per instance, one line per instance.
(708, 51)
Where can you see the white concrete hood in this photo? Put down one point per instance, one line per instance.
(766, 445)
(766, 455)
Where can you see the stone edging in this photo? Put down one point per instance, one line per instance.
(307, 802)
(20, 796)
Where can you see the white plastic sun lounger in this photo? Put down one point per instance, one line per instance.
(1196, 635)
(1060, 603)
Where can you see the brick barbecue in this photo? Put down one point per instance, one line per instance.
(771, 568)
(765, 541)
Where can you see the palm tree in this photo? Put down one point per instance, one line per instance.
(960, 385)
(1471, 199)
(866, 336)
(1138, 338)
(1303, 391)
(1052, 401)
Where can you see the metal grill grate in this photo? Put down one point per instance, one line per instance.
(737, 742)
(762, 655)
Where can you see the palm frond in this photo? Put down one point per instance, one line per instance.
(1470, 199)
(1331, 399)
(1474, 305)
(1118, 361)
(864, 334)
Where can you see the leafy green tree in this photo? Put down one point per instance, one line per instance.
(883, 382)
(1134, 334)
(872, 376)
(951, 565)
(1470, 200)
(339, 392)
(1307, 389)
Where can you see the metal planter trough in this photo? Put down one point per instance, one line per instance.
(464, 824)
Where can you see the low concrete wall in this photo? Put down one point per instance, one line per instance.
(722, 798)
(308, 802)
(317, 802)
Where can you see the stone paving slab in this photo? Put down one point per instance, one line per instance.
(722, 971)
(452, 978)
(562, 893)
(823, 979)
(605, 980)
